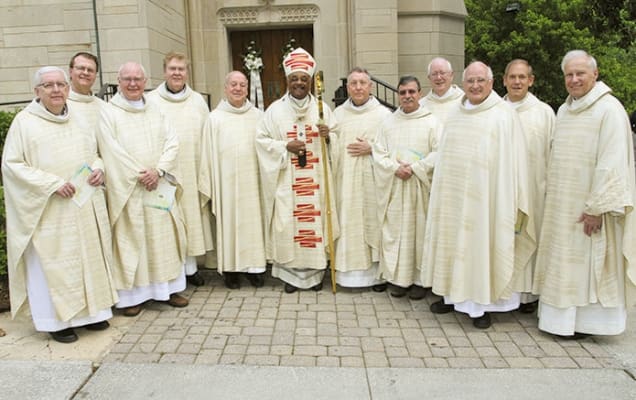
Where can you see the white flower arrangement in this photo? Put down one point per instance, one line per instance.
(252, 60)
(286, 49)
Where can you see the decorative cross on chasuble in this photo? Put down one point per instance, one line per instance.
(307, 238)
(307, 135)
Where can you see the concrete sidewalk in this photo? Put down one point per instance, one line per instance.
(357, 344)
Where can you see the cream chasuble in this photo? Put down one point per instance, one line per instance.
(479, 189)
(359, 243)
(148, 243)
(402, 204)
(537, 120)
(442, 106)
(85, 107)
(230, 186)
(42, 151)
(186, 113)
(591, 171)
(294, 197)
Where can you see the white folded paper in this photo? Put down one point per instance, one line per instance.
(162, 197)
(83, 190)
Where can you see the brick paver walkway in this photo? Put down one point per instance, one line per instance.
(354, 328)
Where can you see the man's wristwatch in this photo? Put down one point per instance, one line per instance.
(161, 173)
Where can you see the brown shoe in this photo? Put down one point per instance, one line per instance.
(178, 301)
(132, 311)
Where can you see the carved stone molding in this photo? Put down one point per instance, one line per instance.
(299, 14)
(238, 16)
(268, 14)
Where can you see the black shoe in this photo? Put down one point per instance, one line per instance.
(289, 288)
(440, 308)
(576, 336)
(195, 279)
(317, 288)
(97, 326)
(67, 335)
(482, 322)
(256, 280)
(379, 288)
(417, 292)
(398, 291)
(232, 280)
(528, 308)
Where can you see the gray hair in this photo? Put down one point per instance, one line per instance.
(572, 54)
(489, 74)
(359, 70)
(448, 64)
(121, 67)
(229, 75)
(37, 77)
(519, 61)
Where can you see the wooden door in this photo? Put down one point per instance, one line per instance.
(271, 44)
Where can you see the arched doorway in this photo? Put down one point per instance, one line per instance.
(271, 43)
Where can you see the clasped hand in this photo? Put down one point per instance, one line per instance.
(149, 178)
(67, 190)
(359, 148)
(405, 171)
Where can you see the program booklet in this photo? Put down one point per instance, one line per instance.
(83, 190)
(162, 197)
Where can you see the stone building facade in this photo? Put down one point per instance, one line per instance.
(388, 37)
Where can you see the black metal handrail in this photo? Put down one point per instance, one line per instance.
(107, 91)
(385, 93)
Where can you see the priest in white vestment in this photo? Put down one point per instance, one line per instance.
(58, 236)
(444, 95)
(479, 232)
(358, 248)
(83, 69)
(586, 263)
(230, 185)
(404, 156)
(291, 164)
(186, 112)
(537, 120)
(140, 152)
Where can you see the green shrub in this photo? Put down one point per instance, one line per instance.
(6, 117)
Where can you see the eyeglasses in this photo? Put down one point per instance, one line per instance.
(404, 92)
(440, 74)
(48, 86)
(86, 70)
(479, 81)
(133, 80)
